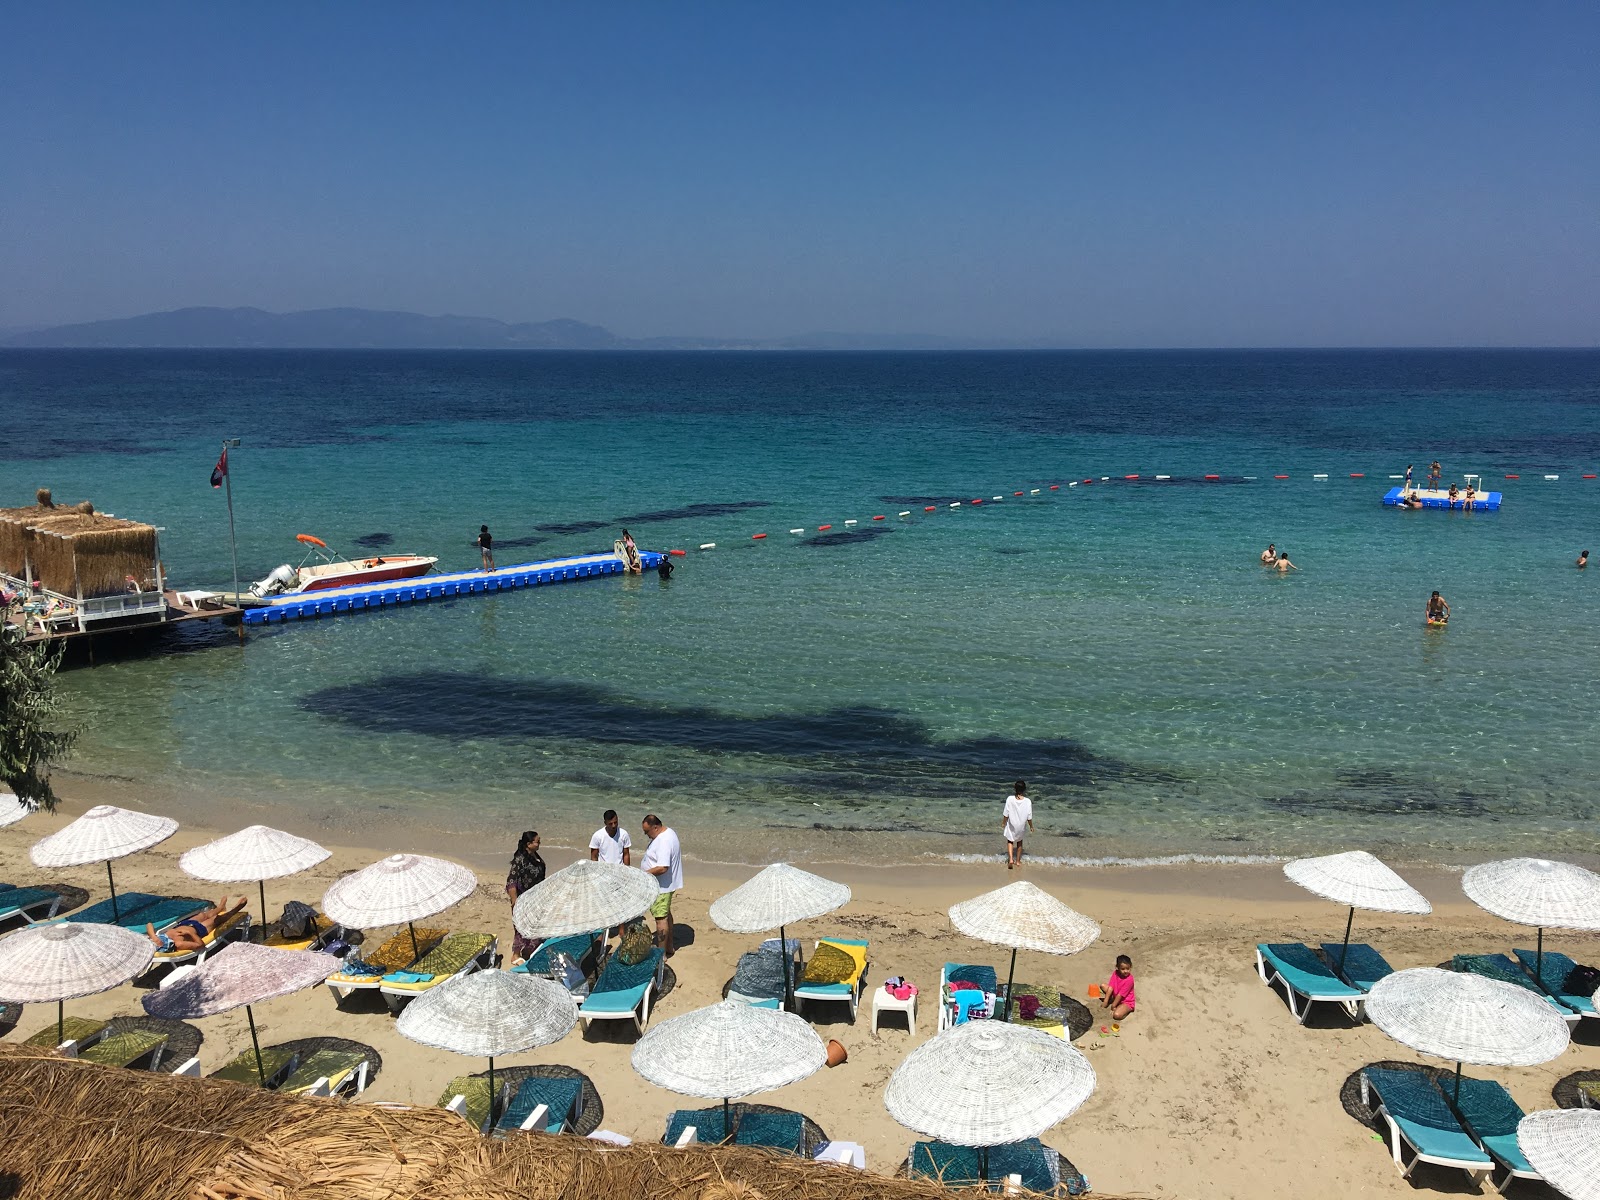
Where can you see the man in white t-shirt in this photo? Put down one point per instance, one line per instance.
(663, 858)
(611, 843)
(1017, 821)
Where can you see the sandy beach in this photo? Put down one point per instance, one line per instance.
(1210, 1081)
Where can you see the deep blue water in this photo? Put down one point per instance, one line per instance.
(1116, 644)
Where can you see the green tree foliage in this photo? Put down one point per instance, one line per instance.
(31, 735)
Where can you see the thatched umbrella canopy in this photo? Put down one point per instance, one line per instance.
(103, 833)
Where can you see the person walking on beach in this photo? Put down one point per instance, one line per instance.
(1267, 555)
(1016, 821)
(663, 859)
(486, 547)
(611, 843)
(527, 870)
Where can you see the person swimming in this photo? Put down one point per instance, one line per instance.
(1268, 555)
(1438, 611)
(1283, 565)
(1583, 560)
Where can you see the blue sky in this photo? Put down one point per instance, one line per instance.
(1083, 175)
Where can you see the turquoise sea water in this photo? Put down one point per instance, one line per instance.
(1115, 644)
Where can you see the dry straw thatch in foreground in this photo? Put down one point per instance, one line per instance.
(74, 1131)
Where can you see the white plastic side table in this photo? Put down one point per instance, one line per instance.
(885, 1001)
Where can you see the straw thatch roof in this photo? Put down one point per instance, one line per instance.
(72, 546)
(196, 1139)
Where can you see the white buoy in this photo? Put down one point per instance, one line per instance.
(1034, 492)
(708, 545)
(1552, 477)
(1319, 477)
(957, 504)
(907, 513)
(797, 531)
(1163, 476)
(999, 497)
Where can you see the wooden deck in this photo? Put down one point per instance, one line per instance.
(177, 612)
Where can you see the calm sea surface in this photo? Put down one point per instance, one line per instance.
(873, 694)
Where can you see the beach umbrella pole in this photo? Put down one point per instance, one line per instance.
(1538, 959)
(262, 884)
(415, 953)
(788, 981)
(111, 880)
(261, 1071)
(983, 1151)
(1345, 949)
(727, 1122)
(61, 1021)
(492, 1096)
(1010, 976)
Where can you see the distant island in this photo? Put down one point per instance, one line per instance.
(372, 329)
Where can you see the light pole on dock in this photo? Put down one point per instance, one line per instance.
(233, 540)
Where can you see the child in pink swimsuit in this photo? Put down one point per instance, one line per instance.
(1118, 993)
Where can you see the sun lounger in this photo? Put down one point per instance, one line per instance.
(458, 954)
(235, 926)
(582, 948)
(1418, 1117)
(849, 991)
(623, 991)
(394, 955)
(758, 978)
(126, 1048)
(1502, 968)
(1038, 1166)
(1552, 978)
(327, 1073)
(953, 1012)
(540, 1104)
(1305, 975)
(135, 910)
(468, 1097)
(31, 904)
(704, 1126)
(1363, 966)
(71, 1035)
(276, 1063)
(1490, 1115)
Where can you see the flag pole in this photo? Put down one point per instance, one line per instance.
(233, 540)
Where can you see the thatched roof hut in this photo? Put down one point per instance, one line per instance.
(78, 1130)
(75, 551)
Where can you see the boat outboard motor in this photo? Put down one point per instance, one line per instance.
(275, 582)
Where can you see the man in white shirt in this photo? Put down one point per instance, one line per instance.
(663, 859)
(1018, 820)
(611, 843)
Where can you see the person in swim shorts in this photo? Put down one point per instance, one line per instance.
(191, 932)
(663, 859)
(1437, 610)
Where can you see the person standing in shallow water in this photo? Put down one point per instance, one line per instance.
(1016, 821)
(527, 871)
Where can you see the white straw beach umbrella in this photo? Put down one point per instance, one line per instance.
(1023, 917)
(1563, 1144)
(490, 1014)
(256, 853)
(1467, 1018)
(64, 961)
(987, 1083)
(1358, 880)
(12, 809)
(1538, 892)
(400, 888)
(582, 898)
(772, 899)
(241, 973)
(727, 1051)
(103, 833)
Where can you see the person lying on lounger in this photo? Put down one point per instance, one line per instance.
(191, 932)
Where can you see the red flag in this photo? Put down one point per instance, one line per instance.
(220, 471)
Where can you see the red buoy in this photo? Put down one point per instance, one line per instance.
(1358, 474)
(677, 553)
(1055, 487)
(1088, 481)
(1130, 477)
(877, 518)
(756, 537)
(1513, 476)
(1016, 493)
(1588, 476)
(930, 508)
(1280, 477)
(977, 502)
(820, 528)
(1213, 476)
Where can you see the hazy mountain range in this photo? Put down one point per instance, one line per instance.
(365, 328)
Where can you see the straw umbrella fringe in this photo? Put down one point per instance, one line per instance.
(402, 887)
(774, 897)
(241, 974)
(1024, 917)
(64, 961)
(1564, 1146)
(727, 1051)
(490, 1014)
(1359, 880)
(256, 853)
(1537, 892)
(103, 833)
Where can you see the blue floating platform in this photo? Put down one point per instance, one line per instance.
(1437, 498)
(337, 601)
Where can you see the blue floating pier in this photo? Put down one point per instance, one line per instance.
(1438, 498)
(333, 601)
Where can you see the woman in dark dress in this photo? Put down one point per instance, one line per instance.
(527, 869)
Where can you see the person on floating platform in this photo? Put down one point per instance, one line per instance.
(1472, 494)
(1455, 495)
(1269, 555)
(486, 547)
(1410, 500)
(1283, 565)
(630, 555)
(1433, 474)
(1408, 477)
(1438, 611)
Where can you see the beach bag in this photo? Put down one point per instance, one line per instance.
(1028, 1007)
(298, 920)
(636, 943)
(1581, 981)
(564, 971)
